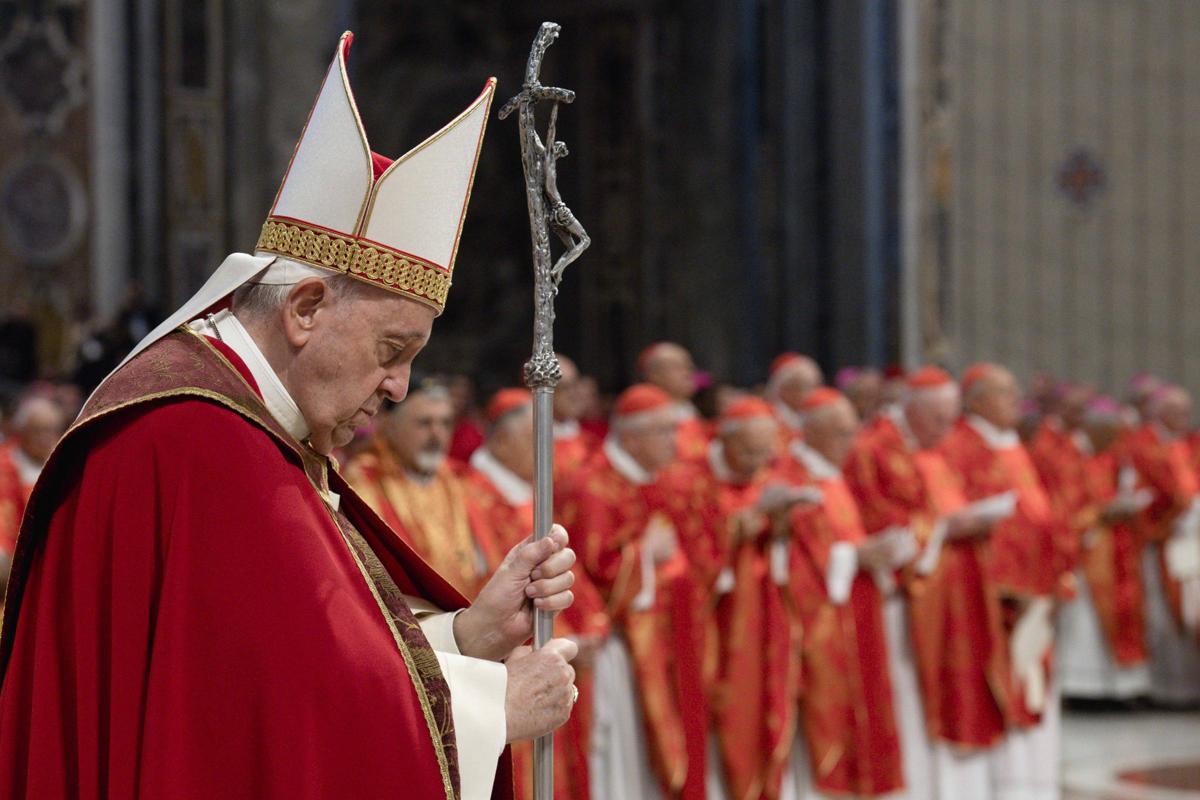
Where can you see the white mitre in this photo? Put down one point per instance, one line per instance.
(343, 209)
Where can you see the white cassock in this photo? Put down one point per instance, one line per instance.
(1086, 668)
(1025, 764)
(915, 749)
(477, 687)
(1174, 655)
(619, 763)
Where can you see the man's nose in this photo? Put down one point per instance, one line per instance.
(395, 385)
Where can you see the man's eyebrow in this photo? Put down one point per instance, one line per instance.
(404, 338)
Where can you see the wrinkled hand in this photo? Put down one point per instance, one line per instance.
(540, 689)
(876, 553)
(532, 575)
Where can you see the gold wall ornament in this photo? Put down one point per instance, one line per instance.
(388, 269)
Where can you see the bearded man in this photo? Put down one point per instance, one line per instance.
(405, 477)
(200, 605)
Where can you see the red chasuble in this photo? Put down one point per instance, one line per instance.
(953, 621)
(846, 710)
(1019, 560)
(752, 640)
(1165, 467)
(499, 526)
(189, 617)
(1111, 559)
(608, 515)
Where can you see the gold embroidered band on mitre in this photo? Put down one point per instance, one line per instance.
(374, 263)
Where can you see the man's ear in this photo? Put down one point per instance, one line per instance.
(300, 309)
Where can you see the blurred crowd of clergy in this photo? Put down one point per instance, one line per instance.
(883, 587)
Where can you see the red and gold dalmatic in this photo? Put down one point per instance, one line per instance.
(846, 710)
(608, 513)
(431, 516)
(954, 624)
(1059, 462)
(1111, 560)
(1163, 465)
(751, 640)
(1018, 559)
(500, 523)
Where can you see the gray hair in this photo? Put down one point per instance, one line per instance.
(264, 299)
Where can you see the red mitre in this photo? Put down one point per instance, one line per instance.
(507, 400)
(639, 398)
(928, 378)
(821, 397)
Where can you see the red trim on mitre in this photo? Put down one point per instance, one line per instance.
(379, 164)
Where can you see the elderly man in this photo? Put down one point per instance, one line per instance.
(847, 712)
(736, 521)
(36, 425)
(1022, 568)
(792, 376)
(938, 621)
(670, 367)
(1170, 526)
(200, 605)
(650, 724)
(1102, 649)
(500, 484)
(863, 386)
(404, 476)
(572, 444)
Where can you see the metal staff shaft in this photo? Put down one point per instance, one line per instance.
(547, 212)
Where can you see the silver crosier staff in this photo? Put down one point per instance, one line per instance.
(547, 212)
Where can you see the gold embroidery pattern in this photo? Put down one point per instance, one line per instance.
(404, 274)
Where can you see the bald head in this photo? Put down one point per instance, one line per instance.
(795, 381)
(749, 444)
(570, 396)
(830, 430)
(37, 424)
(669, 367)
(931, 411)
(996, 397)
(510, 440)
(865, 391)
(1171, 407)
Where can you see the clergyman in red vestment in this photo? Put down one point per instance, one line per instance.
(200, 606)
(849, 722)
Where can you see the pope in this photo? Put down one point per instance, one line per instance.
(200, 606)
